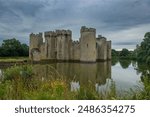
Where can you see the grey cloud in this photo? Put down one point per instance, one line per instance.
(121, 14)
(125, 43)
(18, 18)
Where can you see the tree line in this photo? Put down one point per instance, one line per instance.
(13, 47)
(124, 54)
(141, 53)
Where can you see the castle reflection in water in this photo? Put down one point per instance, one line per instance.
(78, 74)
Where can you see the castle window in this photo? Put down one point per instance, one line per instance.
(87, 45)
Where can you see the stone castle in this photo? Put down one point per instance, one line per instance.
(58, 45)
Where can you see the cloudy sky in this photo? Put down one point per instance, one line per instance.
(124, 22)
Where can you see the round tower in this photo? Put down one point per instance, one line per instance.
(88, 44)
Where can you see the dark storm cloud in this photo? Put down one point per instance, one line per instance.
(121, 14)
(112, 18)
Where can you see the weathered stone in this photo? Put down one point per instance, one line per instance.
(58, 45)
(88, 45)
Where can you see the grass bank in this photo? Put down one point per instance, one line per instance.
(13, 59)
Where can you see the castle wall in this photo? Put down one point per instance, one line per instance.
(35, 41)
(68, 44)
(109, 50)
(63, 44)
(76, 51)
(70, 48)
(42, 51)
(101, 45)
(35, 56)
(71, 51)
(88, 45)
(58, 45)
(46, 44)
(50, 38)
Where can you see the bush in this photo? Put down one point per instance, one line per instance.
(18, 72)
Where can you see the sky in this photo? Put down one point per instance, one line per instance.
(124, 22)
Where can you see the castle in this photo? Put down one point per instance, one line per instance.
(58, 45)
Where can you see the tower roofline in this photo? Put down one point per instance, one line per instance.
(85, 29)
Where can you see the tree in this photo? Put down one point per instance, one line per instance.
(13, 47)
(114, 53)
(143, 51)
(24, 49)
(124, 53)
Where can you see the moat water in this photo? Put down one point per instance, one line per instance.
(125, 74)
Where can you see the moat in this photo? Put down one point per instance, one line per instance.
(100, 74)
(123, 73)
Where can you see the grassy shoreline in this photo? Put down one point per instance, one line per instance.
(13, 59)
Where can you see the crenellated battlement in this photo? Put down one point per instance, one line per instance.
(57, 33)
(59, 45)
(100, 37)
(63, 32)
(75, 42)
(32, 35)
(85, 29)
(49, 34)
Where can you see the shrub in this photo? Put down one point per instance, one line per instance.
(18, 72)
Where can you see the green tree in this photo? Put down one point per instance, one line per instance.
(25, 50)
(114, 53)
(13, 47)
(143, 51)
(124, 53)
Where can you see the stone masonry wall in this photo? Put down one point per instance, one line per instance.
(88, 44)
(58, 45)
(76, 51)
(35, 41)
(101, 48)
(109, 50)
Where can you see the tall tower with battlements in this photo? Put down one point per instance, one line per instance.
(88, 44)
(35, 42)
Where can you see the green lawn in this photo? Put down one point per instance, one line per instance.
(13, 59)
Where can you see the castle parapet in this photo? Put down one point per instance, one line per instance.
(63, 32)
(50, 34)
(85, 29)
(100, 37)
(32, 35)
(69, 32)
